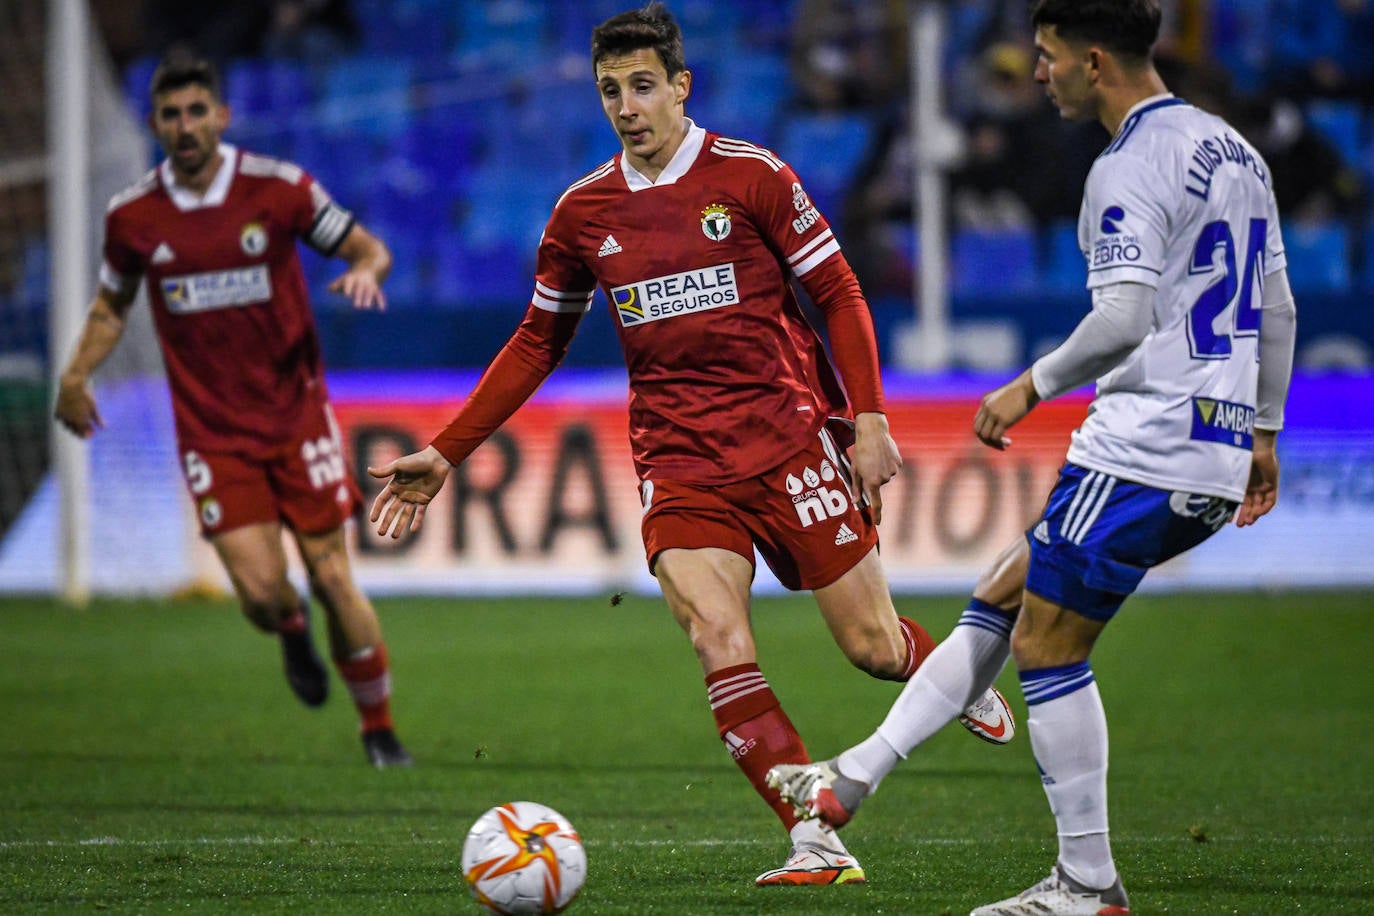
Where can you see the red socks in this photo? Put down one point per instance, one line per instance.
(369, 683)
(755, 730)
(919, 644)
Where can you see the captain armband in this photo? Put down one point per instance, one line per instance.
(331, 226)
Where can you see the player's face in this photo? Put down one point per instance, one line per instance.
(644, 106)
(1066, 73)
(188, 123)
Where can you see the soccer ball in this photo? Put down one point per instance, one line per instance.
(524, 857)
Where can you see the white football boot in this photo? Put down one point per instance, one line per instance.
(990, 718)
(1060, 895)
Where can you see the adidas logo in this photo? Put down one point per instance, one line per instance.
(844, 535)
(1042, 532)
(162, 254)
(610, 246)
(737, 745)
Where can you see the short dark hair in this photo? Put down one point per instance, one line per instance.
(183, 67)
(651, 26)
(1125, 27)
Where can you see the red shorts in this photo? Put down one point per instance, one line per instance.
(305, 483)
(801, 516)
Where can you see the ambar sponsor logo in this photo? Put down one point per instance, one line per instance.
(1223, 421)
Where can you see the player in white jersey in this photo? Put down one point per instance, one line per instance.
(1190, 339)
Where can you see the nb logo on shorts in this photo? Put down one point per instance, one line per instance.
(323, 461)
(814, 501)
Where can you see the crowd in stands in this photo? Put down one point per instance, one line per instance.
(452, 127)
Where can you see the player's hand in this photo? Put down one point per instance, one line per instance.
(1262, 492)
(874, 460)
(1002, 409)
(415, 479)
(76, 409)
(361, 287)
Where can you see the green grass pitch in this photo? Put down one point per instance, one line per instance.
(152, 760)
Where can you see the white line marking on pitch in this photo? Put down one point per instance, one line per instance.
(741, 841)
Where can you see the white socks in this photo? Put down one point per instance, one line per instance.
(1068, 734)
(950, 679)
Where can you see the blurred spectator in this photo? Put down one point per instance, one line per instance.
(1023, 164)
(223, 29)
(1323, 48)
(314, 31)
(1313, 181)
(849, 53)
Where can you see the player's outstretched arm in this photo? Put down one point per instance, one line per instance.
(76, 408)
(369, 262)
(1262, 492)
(415, 480)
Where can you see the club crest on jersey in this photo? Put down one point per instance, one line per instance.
(715, 222)
(253, 239)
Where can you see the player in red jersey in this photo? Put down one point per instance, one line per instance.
(738, 424)
(213, 230)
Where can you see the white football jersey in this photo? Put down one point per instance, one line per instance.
(1179, 201)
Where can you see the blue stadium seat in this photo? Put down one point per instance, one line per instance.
(1340, 122)
(366, 92)
(1318, 257)
(33, 285)
(505, 34)
(1367, 260)
(497, 272)
(743, 95)
(1063, 265)
(137, 77)
(826, 150)
(987, 262)
(416, 28)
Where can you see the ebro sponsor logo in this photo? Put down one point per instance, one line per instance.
(1114, 251)
(814, 501)
(676, 294)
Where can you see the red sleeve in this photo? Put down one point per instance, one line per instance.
(116, 251)
(516, 372)
(813, 253)
(853, 343)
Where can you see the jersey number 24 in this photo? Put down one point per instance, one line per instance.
(1204, 340)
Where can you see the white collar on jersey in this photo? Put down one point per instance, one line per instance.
(682, 160)
(186, 199)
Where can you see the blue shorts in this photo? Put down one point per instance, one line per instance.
(1099, 534)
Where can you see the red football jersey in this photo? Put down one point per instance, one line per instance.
(727, 377)
(228, 296)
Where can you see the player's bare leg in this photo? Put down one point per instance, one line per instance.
(355, 639)
(858, 609)
(708, 592)
(256, 563)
